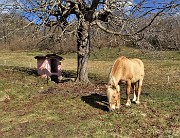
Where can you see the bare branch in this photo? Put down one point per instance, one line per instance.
(18, 29)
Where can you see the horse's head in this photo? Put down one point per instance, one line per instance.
(113, 96)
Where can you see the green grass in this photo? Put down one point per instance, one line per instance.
(37, 109)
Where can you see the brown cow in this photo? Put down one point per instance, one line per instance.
(129, 71)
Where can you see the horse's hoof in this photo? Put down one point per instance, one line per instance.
(137, 102)
(128, 104)
(134, 100)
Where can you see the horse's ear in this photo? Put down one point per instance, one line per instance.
(108, 85)
(113, 87)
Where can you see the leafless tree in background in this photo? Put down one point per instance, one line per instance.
(14, 29)
(166, 37)
(125, 18)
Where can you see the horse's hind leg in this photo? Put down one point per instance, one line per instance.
(139, 91)
(134, 91)
(128, 88)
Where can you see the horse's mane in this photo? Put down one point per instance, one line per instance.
(117, 62)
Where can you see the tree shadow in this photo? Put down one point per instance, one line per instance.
(26, 70)
(96, 100)
(69, 73)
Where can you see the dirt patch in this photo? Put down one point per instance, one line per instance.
(75, 90)
(93, 95)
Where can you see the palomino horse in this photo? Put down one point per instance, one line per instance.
(129, 71)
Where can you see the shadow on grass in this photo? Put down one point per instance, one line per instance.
(33, 72)
(69, 73)
(96, 100)
(28, 71)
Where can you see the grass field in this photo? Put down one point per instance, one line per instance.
(29, 107)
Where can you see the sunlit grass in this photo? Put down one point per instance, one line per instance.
(38, 109)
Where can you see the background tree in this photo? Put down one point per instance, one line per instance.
(125, 18)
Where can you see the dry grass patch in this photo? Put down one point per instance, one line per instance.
(37, 109)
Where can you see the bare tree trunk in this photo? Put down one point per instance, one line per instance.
(83, 51)
(4, 34)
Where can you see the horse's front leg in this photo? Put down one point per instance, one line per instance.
(118, 104)
(128, 88)
(139, 92)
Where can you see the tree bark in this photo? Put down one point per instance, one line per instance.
(83, 51)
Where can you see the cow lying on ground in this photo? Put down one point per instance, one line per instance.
(130, 72)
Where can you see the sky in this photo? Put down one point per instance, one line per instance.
(149, 3)
(5, 6)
